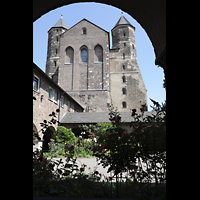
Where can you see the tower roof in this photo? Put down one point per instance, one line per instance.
(123, 21)
(61, 23)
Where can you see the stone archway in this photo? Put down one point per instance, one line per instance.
(35, 140)
(49, 133)
(151, 15)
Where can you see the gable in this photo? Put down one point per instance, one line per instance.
(91, 29)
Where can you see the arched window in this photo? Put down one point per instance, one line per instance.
(84, 54)
(124, 79)
(98, 53)
(124, 104)
(123, 90)
(84, 31)
(69, 55)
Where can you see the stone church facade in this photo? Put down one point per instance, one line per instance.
(80, 61)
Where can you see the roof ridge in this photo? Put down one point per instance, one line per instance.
(90, 23)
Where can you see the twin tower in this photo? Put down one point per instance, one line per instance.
(80, 61)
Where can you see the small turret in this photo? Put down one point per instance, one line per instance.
(53, 49)
(127, 86)
(122, 31)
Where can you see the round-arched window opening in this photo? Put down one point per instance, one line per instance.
(84, 55)
(84, 31)
(124, 104)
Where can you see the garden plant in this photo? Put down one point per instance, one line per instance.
(140, 154)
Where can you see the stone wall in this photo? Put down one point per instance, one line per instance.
(92, 100)
(86, 80)
(43, 105)
(126, 84)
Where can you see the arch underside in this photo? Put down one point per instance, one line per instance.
(151, 15)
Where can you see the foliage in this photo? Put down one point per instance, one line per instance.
(65, 135)
(45, 124)
(140, 152)
(55, 149)
(83, 147)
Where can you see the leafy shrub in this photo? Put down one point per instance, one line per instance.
(55, 149)
(116, 148)
(65, 135)
(83, 148)
(129, 151)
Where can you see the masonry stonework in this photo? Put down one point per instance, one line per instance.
(80, 60)
(44, 104)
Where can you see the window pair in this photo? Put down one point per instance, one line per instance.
(98, 54)
(69, 58)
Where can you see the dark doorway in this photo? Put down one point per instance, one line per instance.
(49, 133)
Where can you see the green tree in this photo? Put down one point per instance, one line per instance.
(65, 135)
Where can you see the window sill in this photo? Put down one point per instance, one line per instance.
(68, 63)
(50, 100)
(96, 62)
(53, 101)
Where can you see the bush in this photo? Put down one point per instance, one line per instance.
(126, 151)
(83, 148)
(65, 135)
(56, 150)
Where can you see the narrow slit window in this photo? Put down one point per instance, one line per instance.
(123, 55)
(124, 104)
(123, 79)
(123, 90)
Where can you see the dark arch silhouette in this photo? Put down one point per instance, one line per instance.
(151, 15)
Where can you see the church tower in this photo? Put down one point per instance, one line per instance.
(126, 84)
(53, 51)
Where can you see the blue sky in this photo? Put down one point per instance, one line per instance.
(106, 17)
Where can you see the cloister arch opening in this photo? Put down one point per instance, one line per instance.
(35, 140)
(131, 14)
(150, 15)
(49, 133)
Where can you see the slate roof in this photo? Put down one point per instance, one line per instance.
(61, 23)
(122, 21)
(96, 117)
